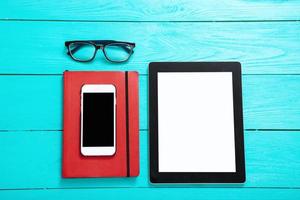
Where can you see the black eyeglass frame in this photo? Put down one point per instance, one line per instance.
(101, 44)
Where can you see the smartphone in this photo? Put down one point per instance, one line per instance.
(98, 120)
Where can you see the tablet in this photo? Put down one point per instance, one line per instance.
(196, 122)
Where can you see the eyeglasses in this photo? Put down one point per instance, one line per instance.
(86, 50)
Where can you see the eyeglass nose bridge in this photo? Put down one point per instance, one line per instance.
(99, 46)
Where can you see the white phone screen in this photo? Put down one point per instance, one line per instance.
(195, 122)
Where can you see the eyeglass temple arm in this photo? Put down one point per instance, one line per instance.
(74, 49)
(78, 47)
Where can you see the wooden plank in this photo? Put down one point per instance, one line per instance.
(33, 160)
(154, 193)
(31, 102)
(271, 102)
(34, 102)
(262, 48)
(167, 10)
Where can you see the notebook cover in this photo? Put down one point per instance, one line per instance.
(125, 162)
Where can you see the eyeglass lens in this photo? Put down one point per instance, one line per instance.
(82, 51)
(117, 52)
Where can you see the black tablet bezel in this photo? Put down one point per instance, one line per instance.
(196, 177)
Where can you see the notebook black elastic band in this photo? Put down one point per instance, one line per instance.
(127, 125)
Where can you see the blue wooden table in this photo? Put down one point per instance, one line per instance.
(263, 35)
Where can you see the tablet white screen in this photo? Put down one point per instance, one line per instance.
(195, 122)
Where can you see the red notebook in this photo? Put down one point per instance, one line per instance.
(125, 161)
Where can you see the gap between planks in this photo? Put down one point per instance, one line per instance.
(154, 187)
(249, 130)
(147, 21)
(140, 74)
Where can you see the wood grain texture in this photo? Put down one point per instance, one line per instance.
(262, 48)
(154, 193)
(155, 10)
(262, 35)
(271, 162)
(34, 102)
